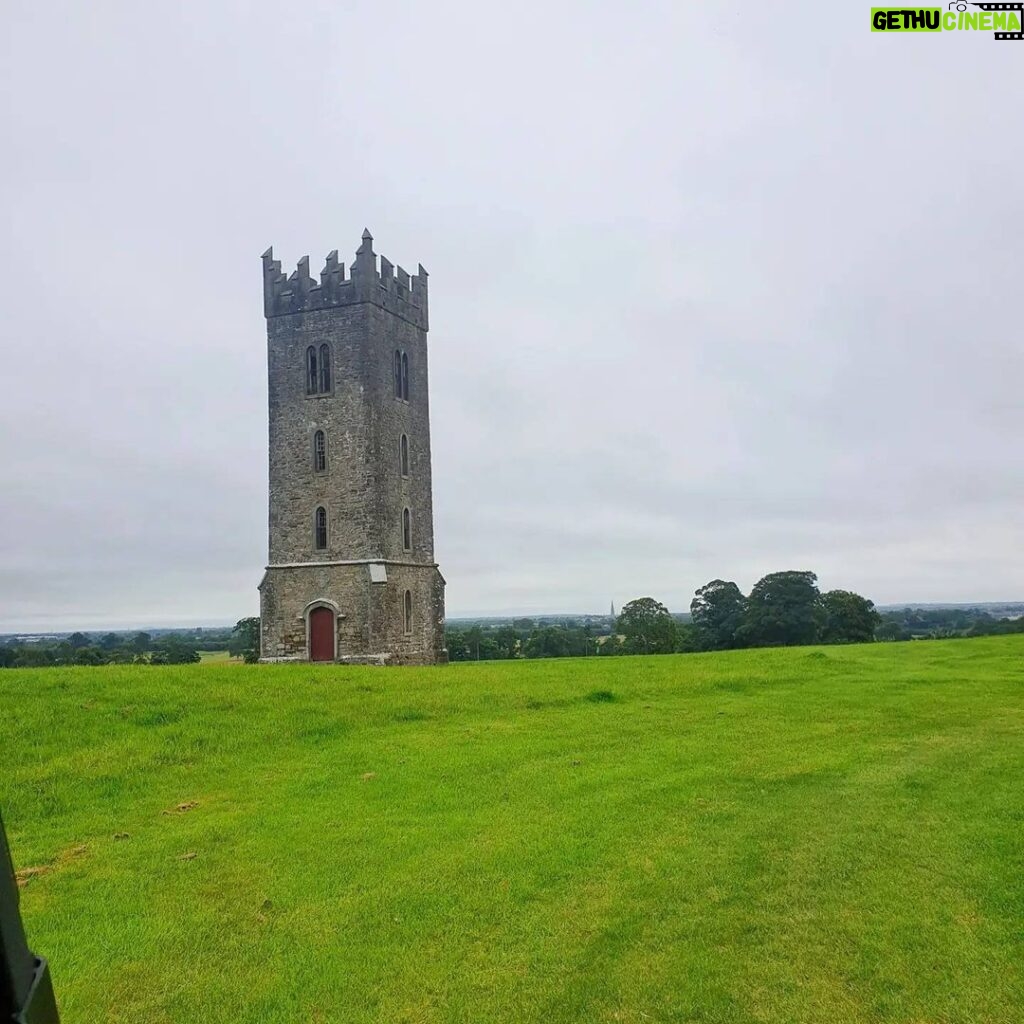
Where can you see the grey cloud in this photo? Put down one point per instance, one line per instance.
(712, 294)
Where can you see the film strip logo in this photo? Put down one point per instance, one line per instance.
(962, 5)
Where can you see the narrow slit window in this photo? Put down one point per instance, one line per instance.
(319, 452)
(405, 376)
(325, 369)
(407, 530)
(311, 372)
(398, 374)
(404, 454)
(321, 529)
(408, 611)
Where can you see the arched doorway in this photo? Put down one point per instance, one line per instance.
(321, 634)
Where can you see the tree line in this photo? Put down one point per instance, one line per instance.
(946, 623)
(782, 609)
(140, 648)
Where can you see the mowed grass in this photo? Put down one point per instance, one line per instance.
(801, 835)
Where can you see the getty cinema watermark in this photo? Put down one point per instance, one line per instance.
(1004, 20)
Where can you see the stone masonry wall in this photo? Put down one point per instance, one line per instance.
(364, 322)
(371, 616)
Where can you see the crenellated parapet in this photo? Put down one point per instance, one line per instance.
(391, 288)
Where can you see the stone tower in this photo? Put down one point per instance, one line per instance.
(351, 575)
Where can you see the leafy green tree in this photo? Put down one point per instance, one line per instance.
(91, 655)
(481, 646)
(892, 630)
(245, 640)
(64, 653)
(784, 609)
(474, 639)
(79, 640)
(33, 657)
(110, 641)
(849, 618)
(141, 643)
(548, 642)
(455, 641)
(587, 641)
(717, 612)
(488, 650)
(687, 638)
(647, 627)
(507, 640)
(172, 650)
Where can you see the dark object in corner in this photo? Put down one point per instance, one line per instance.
(26, 994)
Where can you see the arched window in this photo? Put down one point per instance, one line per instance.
(325, 369)
(319, 452)
(404, 455)
(320, 530)
(408, 611)
(311, 375)
(398, 374)
(406, 530)
(405, 376)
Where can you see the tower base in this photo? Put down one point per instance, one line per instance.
(353, 613)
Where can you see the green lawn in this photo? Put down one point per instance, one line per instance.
(808, 835)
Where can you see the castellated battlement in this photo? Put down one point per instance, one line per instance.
(390, 287)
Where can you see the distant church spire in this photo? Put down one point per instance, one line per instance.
(613, 609)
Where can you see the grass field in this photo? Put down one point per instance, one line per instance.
(806, 835)
(218, 658)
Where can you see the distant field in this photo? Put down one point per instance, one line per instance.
(805, 835)
(218, 658)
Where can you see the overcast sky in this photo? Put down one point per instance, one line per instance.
(712, 294)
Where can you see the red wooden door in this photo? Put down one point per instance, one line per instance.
(321, 634)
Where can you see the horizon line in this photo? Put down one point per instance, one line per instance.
(223, 624)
